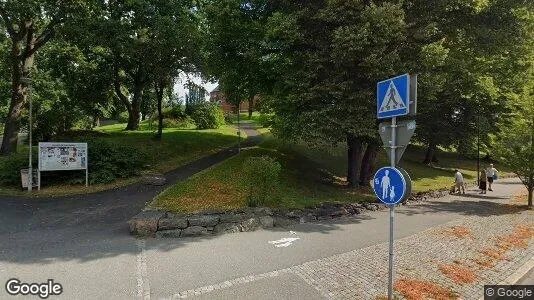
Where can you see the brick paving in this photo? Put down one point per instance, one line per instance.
(363, 273)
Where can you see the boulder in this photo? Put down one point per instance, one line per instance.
(172, 223)
(250, 224)
(307, 219)
(227, 228)
(145, 223)
(194, 231)
(267, 221)
(283, 222)
(233, 217)
(204, 220)
(174, 233)
(371, 207)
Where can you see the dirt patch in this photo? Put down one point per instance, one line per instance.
(495, 254)
(420, 290)
(458, 273)
(456, 231)
(518, 239)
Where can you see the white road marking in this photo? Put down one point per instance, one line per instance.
(143, 284)
(285, 242)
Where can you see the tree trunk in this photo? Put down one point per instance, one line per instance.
(134, 114)
(250, 106)
(159, 97)
(368, 162)
(20, 67)
(530, 190)
(354, 154)
(430, 153)
(96, 121)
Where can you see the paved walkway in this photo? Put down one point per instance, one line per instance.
(458, 257)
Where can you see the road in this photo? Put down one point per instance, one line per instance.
(88, 250)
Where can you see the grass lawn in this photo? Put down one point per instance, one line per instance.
(224, 187)
(177, 148)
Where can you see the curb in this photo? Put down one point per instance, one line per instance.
(517, 275)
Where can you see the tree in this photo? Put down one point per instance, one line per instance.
(515, 146)
(330, 56)
(234, 50)
(29, 25)
(150, 41)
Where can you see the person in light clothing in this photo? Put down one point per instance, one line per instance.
(459, 181)
(490, 174)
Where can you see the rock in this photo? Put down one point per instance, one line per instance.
(174, 233)
(358, 211)
(323, 212)
(307, 219)
(294, 214)
(204, 220)
(233, 217)
(267, 221)
(172, 223)
(145, 223)
(339, 212)
(250, 224)
(371, 207)
(194, 231)
(227, 228)
(283, 222)
(264, 211)
(154, 180)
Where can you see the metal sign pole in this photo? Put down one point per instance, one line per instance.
(392, 210)
(30, 168)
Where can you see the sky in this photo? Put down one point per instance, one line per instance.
(181, 91)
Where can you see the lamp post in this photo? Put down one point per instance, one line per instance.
(478, 148)
(28, 82)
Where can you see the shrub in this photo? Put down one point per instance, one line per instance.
(207, 115)
(229, 118)
(108, 162)
(175, 112)
(11, 165)
(185, 122)
(262, 175)
(265, 120)
(123, 117)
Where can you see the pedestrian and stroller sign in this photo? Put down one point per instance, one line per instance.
(393, 96)
(389, 185)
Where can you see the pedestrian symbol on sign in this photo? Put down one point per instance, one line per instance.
(392, 100)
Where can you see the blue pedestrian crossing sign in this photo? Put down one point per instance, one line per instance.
(393, 96)
(389, 185)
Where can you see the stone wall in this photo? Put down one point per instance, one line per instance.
(166, 224)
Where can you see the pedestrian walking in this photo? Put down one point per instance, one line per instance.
(482, 183)
(459, 181)
(491, 174)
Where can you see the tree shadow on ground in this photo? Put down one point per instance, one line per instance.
(482, 208)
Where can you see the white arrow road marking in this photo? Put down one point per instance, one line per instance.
(285, 242)
(143, 285)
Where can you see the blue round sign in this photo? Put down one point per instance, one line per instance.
(389, 185)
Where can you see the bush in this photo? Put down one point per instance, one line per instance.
(108, 162)
(123, 117)
(175, 112)
(265, 120)
(262, 175)
(208, 115)
(229, 118)
(178, 123)
(11, 165)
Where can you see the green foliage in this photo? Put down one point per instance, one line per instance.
(208, 115)
(185, 122)
(266, 120)
(123, 117)
(230, 118)
(175, 112)
(10, 167)
(262, 175)
(109, 161)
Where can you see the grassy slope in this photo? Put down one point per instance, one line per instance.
(178, 147)
(223, 186)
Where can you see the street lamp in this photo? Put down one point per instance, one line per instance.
(28, 82)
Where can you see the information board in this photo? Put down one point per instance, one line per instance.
(62, 156)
